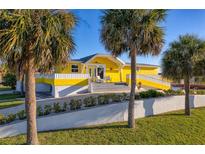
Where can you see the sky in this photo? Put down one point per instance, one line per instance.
(178, 22)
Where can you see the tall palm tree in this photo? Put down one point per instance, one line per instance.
(180, 60)
(136, 32)
(43, 39)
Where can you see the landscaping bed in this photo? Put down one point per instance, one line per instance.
(169, 128)
(88, 102)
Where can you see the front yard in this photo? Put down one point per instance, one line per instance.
(10, 100)
(169, 128)
(4, 88)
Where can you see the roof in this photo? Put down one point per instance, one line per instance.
(142, 64)
(87, 58)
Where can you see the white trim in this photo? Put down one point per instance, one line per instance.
(109, 56)
(63, 76)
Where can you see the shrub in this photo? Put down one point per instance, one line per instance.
(10, 118)
(57, 107)
(47, 109)
(21, 114)
(75, 104)
(9, 80)
(39, 111)
(150, 93)
(173, 92)
(116, 98)
(65, 106)
(2, 119)
(90, 101)
(197, 92)
(103, 99)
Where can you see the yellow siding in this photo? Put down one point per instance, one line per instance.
(143, 71)
(67, 69)
(63, 82)
(149, 83)
(148, 71)
(112, 69)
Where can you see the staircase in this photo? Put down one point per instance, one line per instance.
(109, 87)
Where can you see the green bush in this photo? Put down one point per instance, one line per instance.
(197, 92)
(75, 104)
(65, 106)
(90, 101)
(9, 80)
(117, 98)
(21, 114)
(103, 99)
(57, 107)
(10, 118)
(150, 93)
(2, 119)
(173, 92)
(47, 109)
(39, 111)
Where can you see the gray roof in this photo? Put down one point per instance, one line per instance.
(87, 58)
(142, 64)
(84, 59)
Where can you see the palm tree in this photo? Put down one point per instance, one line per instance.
(136, 32)
(42, 39)
(179, 61)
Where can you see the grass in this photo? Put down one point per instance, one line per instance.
(10, 103)
(4, 88)
(10, 96)
(170, 128)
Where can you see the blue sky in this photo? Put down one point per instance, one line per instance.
(178, 22)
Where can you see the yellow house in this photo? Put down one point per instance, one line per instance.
(79, 74)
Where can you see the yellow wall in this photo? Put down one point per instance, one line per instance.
(142, 70)
(149, 83)
(112, 69)
(67, 69)
(63, 82)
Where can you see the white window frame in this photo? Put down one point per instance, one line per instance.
(74, 70)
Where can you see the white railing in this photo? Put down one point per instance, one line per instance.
(63, 76)
(150, 78)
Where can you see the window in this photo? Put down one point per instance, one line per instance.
(74, 68)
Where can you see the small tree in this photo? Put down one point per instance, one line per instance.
(9, 80)
(180, 60)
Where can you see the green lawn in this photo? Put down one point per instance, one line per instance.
(10, 96)
(170, 128)
(10, 103)
(4, 88)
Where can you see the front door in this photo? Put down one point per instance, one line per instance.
(96, 70)
(100, 72)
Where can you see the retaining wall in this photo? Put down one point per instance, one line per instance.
(103, 114)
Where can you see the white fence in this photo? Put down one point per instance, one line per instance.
(63, 76)
(103, 114)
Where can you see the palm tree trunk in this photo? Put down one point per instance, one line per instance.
(186, 88)
(22, 83)
(131, 118)
(30, 103)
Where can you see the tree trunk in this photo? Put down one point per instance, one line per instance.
(186, 88)
(30, 103)
(22, 83)
(131, 118)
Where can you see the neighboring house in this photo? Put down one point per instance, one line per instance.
(80, 74)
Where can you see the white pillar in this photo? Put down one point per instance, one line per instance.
(55, 91)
